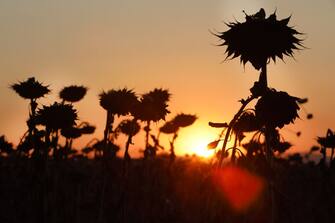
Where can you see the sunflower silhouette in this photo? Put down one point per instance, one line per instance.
(5, 146)
(73, 93)
(116, 102)
(129, 128)
(259, 39)
(276, 109)
(327, 142)
(57, 116)
(172, 127)
(152, 107)
(30, 89)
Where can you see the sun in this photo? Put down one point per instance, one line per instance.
(194, 140)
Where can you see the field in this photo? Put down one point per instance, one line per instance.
(85, 190)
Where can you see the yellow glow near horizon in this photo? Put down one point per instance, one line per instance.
(194, 141)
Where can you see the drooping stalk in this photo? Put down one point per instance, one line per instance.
(147, 131)
(233, 155)
(129, 141)
(231, 125)
(172, 153)
(109, 122)
(106, 131)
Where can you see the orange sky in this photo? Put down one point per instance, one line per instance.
(145, 44)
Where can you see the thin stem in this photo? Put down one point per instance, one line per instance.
(233, 155)
(230, 126)
(147, 131)
(263, 76)
(172, 153)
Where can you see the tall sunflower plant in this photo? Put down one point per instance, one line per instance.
(258, 40)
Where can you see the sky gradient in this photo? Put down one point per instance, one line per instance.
(105, 44)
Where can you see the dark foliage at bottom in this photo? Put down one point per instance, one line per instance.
(83, 190)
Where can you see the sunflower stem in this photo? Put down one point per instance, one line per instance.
(233, 155)
(172, 153)
(231, 125)
(263, 76)
(147, 131)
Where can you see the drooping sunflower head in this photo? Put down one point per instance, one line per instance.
(30, 89)
(259, 39)
(169, 128)
(71, 132)
(57, 116)
(184, 120)
(328, 141)
(118, 102)
(129, 127)
(277, 108)
(247, 122)
(73, 93)
(153, 105)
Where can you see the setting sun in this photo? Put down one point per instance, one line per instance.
(194, 141)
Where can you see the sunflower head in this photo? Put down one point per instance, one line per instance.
(129, 127)
(247, 122)
(57, 116)
(86, 128)
(5, 146)
(259, 39)
(153, 106)
(73, 93)
(184, 120)
(328, 141)
(71, 132)
(118, 102)
(169, 128)
(30, 89)
(277, 108)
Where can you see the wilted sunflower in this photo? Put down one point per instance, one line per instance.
(30, 89)
(73, 93)
(129, 127)
(5, 147)
(153, 106)
(247, 122)
(184, 120)
(328, 141)
(86, 128)
(169, 128)
(57, 116)
(118, 102)
(277, 108)
(71, 132)
(259, 39)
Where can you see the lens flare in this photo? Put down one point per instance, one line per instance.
(238, 186)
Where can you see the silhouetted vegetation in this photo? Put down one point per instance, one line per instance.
(45, 179)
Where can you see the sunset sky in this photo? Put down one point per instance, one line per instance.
(143, 44)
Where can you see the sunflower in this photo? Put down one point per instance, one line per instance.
(73, 93)
(129, 127)
(30, 89)
(328, 141)
(86, 128)
(169, 128)
(71, 132)
(259, 39)
(57, 116)
(247, 122)
(153, 106)
(5, 146)
(118, 102)
(277, 108)
(184, 120)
